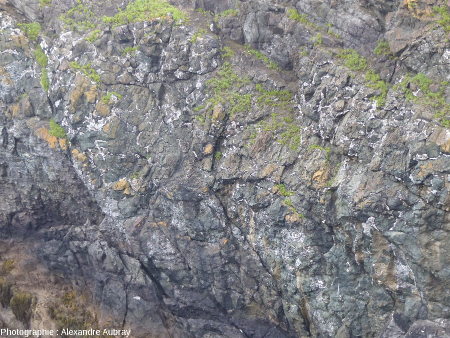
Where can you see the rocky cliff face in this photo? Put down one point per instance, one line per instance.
(226, 168)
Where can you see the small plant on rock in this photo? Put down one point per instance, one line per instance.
(56, 130)
(21, 305)
(31, 30)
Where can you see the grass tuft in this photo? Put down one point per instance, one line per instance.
(352, 59)
(31, 30)
(145, 10)
(87, 70)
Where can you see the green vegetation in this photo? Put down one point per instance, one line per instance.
(332, 180)
(229, 12)
(227, 52)
(31, 30)
(7, 267)
(135, 175)
(44, 3)
(42, 60)
(356, 62)
(281, 190)
(226, 91)
(145, 10)
(382, 48)
(41, 57)
(197, 35)
(293, 14)
(353, 60)
(284, 128)
(303, 51)
(201, 118)
(21, 305)
(79, 18)
(93, 36)
(87, 70)
(226, 79)
(281, 124)
(327, 150)
(218, 155)
(5, 292)
(45, 82)
(331, 32)
(70, 312)
(260, 56)
(130, 50)
(203, 11)
(225, 88)
(274, 98)
(374, 81)
(317, 39)
(110, 97)
(431, 94)
(226, 13)
(444, 14)
(56, 130)
(288, 202)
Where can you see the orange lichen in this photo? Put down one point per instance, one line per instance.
(44, 134)
(79, 156)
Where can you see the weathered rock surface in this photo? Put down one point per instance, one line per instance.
(204, 191)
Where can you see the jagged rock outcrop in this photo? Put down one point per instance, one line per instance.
(241, 173)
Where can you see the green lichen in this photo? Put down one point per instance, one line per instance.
(56, 130)
(145, 10)
(31, 30)
(87, 70)
(218, 155)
